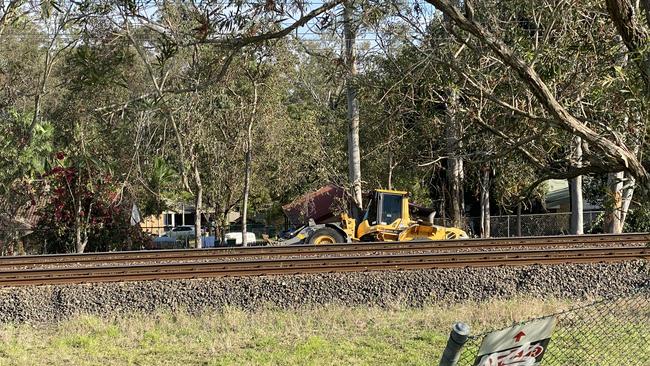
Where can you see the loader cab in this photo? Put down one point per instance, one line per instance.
(387, 210)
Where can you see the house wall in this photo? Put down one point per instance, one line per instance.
(158, 224)
(153, 224)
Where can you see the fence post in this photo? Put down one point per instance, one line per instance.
(457, 338)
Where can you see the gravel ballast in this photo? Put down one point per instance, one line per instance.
(382, 288)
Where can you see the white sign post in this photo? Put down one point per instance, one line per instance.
(520, 345)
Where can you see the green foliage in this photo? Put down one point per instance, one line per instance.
(24, 149)
(638, 219)
(149, 105)
(161, 182)
(24, 158)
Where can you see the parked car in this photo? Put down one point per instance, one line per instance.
(235, 238)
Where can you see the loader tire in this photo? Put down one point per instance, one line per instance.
(326, 235)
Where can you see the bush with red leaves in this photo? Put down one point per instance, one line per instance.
(89, 199)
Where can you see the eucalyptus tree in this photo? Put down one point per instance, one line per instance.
(551, 70)
(188, 47)
(605, 153)
(418, 45)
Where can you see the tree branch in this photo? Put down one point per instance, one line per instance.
(634, 36)
(513, 144)
(615, 155)
(8, 11)
(240, 41)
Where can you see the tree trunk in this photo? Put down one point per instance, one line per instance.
(621, 184)
(223, 216)
(80, 239)
(217, 224)
(626, 17)
(577, 212)
(224, 225)
(247, 180)
(453, 133)
(354, 150)
(390, 169)
(455, 176)
(519, 219)
(614, 203)
(81, 234)
(628, 192)
(630, 181)
(620, 192)
(485, 202)
(575, 191)
(198, 207)
(247, 173)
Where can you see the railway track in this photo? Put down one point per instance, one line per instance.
(177, 264)
(311, 250)
(139, 272)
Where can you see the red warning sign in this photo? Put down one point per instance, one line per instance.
(528, 354)
(521, 345)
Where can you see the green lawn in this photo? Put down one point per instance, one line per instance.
(331, 335)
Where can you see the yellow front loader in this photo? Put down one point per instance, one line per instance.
(386, 218)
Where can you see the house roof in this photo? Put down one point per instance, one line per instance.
(24, 218)
(558, 194)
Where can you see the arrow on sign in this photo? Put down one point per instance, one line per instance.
(519, 336)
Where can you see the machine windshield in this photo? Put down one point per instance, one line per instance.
(371, 212)
(391, 209)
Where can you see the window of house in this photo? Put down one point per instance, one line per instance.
(167, 220)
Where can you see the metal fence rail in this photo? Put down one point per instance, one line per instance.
(505, 226)
(613, 331)
(21, 240)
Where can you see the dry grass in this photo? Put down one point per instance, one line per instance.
(319, 336)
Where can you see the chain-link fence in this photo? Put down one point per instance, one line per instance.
(21, 240)
(613, 331)
(505, 226)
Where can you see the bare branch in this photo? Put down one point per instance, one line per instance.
(433, 161)
(490, 96)
(514, 144)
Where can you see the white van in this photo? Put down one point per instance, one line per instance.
(236, 236)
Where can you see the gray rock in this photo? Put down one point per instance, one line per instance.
(383, 288)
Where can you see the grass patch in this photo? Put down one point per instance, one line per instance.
(315, 336)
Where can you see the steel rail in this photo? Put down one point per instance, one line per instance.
(306, 250)
(256, 267)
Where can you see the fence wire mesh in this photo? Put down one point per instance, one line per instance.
(612, 331)
(506, 226)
